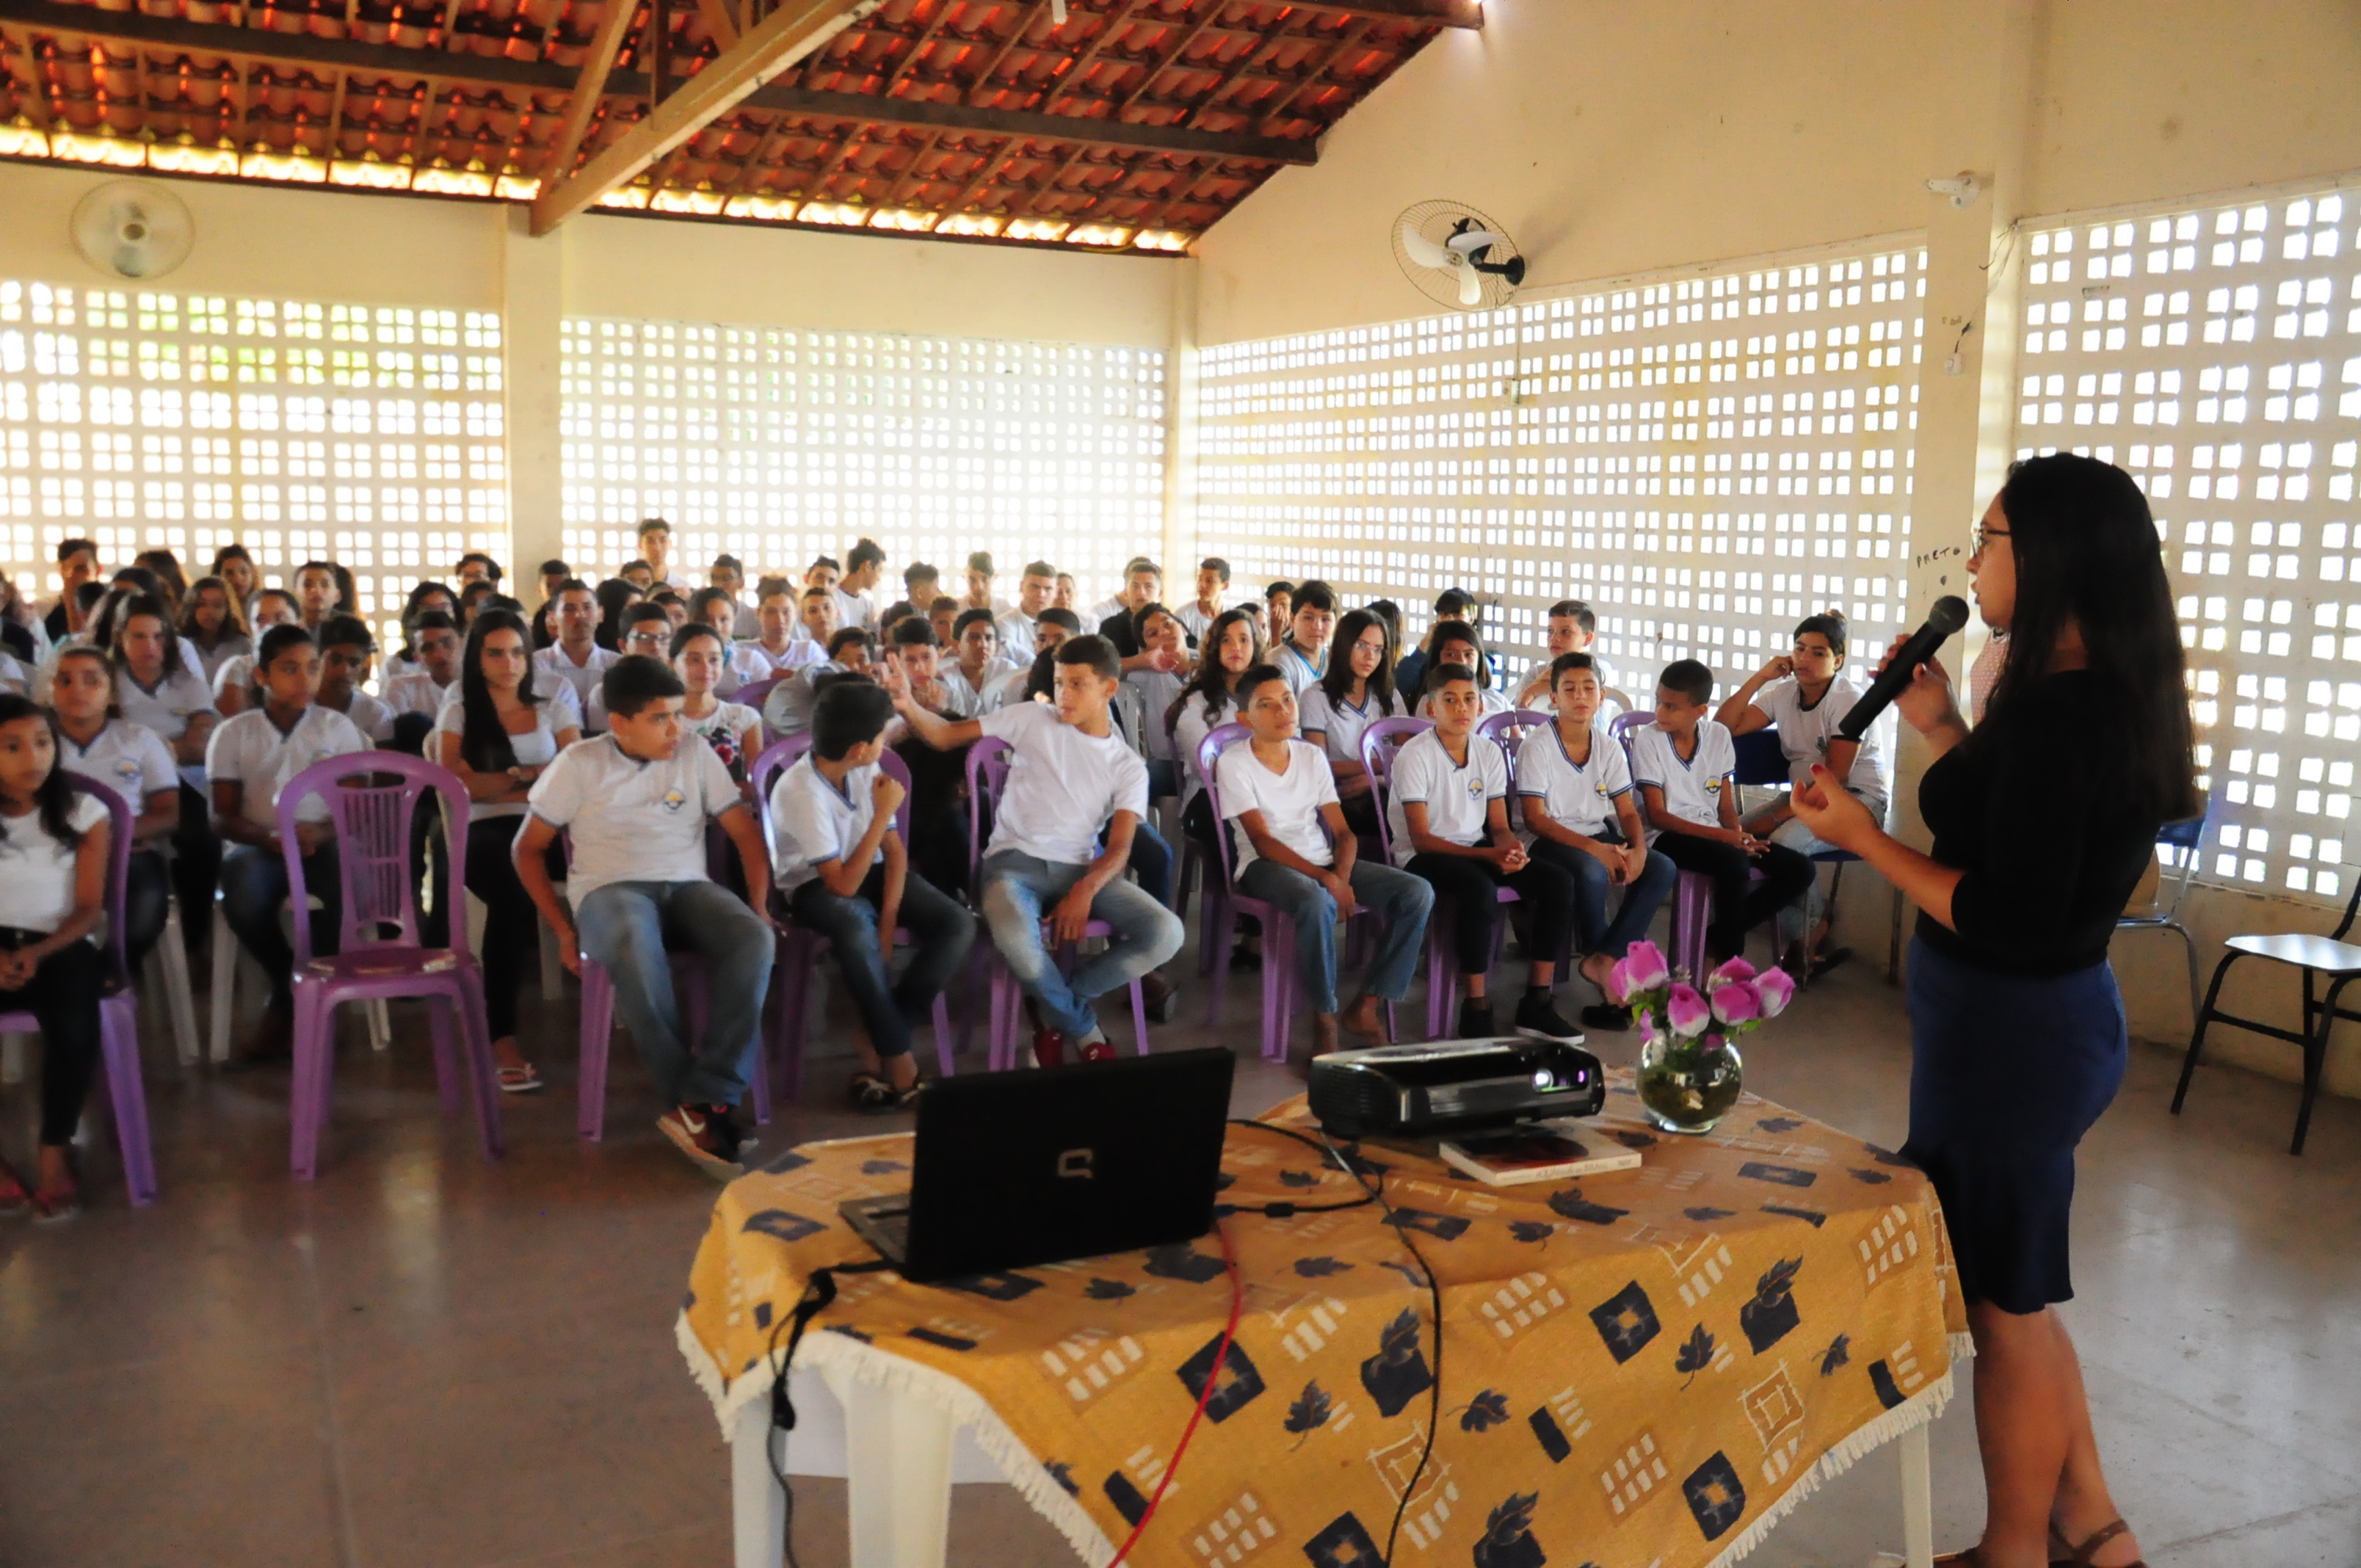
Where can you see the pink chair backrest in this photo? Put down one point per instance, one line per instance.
(1218, 739)
(987, 775)
(120, 818)
(781, 755)
(1506, 730)
(1379, 741)
(752, 693)
(1626, 725)
(372, 820)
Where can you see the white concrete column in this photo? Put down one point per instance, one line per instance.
(1180, 548)
(533, 304)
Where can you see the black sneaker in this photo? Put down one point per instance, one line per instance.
(1475, 1019)
(1605, 1015)
(1158, 997)
(1539, 1019)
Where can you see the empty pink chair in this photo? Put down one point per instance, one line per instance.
(372, 798)
(1693, 894)
(799, 950)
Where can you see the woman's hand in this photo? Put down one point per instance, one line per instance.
(1926, 703)
(1834, 815)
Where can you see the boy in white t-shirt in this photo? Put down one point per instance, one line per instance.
(249, 760)
(1577, 810)
(1573, 629)
(1295, 851)
(845, 873)
(1448, 821)
(575, 657)
(1683, 766)
(635, 801)
(1072, 778)
(417, 695)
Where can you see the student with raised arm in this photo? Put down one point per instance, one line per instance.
(635, 801)
(1806, 696)
(1683, 764)
(575, 657)
(1573, 629)
(497, 739)
(96, 742)
(1303, 653)
(250, 759)
(1448, 822)
(844, 873)
(1072, 778)
(1577, 810)
(53, 863)
(1295, 851)
(1355, 692)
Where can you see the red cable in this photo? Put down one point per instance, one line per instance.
(1212, 1376)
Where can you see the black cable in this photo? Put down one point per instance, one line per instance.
(820, 1290)
(1283, 1210)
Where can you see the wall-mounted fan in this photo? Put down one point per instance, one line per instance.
(133, 228)
(1456, 255)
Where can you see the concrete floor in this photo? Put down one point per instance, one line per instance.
(423, 1358)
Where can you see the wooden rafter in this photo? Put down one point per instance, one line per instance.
(919, 45)
(1166, 62)
(1248, 62)
(1352, 39)
(982, 82)
(589, 89)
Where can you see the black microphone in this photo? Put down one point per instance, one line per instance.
(1950, 613)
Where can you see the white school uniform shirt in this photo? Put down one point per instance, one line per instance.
(1338, 722)
(1457, 799)
(788, 709)
(415, 693)
(1017, 632)
(1195, 622)
(14, 676)
(1582, 798)
(1493, 702)
(396, 664)
(247, 750)
(855, 609)
(209, 663)
(741, 666)
(814, 821)
(536, 749)
(723, 729)
(238, 670)
(1693, 787)
(745, 625)
(1805, 734)
(556, 662)
(1008, 691)
(178, 697)
(1289, 802)
(800, 651)
(1197, 720)
(965, 699)
(36, 872)
(127, 758)
(633, 820)
(1063, 786)
(1156, 688)
(1302, 673)
(369, 715)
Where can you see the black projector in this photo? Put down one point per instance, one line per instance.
(1452, 1085)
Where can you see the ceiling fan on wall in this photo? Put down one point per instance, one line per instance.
(1456, 255)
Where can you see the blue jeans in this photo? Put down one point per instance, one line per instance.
(628, 926)
(1641, 899)
(1401, 899)
(1151, 862)
(1796, 920)
(1018, 890)
(941, 932)
(254, 886)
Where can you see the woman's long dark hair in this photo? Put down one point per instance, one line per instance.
(418, 593)
(1449, 632)
(2086, 552)
(615, 596)
(483, 739)
(1338, 678)
(233, 621)
(1211, 681)
(54, 799)
(133, 605)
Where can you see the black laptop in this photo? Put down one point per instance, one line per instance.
(1042, 1166)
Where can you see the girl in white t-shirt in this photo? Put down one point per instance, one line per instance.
(1805, 694)
(700, 657)
(53, 858)
(1457, 642)
(236, 684)
(1157, 690)
(498, 738)
(1356, 691)
(95, 741)
(212, 627)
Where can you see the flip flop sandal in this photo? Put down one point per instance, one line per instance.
(2080, 1557)
(52, 1205)
(903, 1099)
(1833, 958)
(521, 1080)
(870, 1093)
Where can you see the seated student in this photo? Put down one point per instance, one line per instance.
(1234, 645)
(729, 574)
(787, 710)
(498, 738)
(158, 689)
(1683, 764)
(1278, 612)
(95, 741)
(1456, 645)
(1050, 627)
(815, 624)
(252, 756)
(1355, 692)
(1577, 811)
(1450, 605)
(1143, 582)
(1292, 849)
(1155, 691)
(1806, 694)
(418, 696)
(1573, 629)
(1197, 616)
(647, 633)
(921, 586)
(775, 641)
(1071, 779)
(845, 874)
(1303, 654)
(975, 636)
(422, 597)
(1036, 586)
(212, 627)
(980, 574)
(640, 574)
(636, 801)
(235, 679)
(1448, 822)
(345, 650)
(943, 614)
(938, 834)
(739, 665)
(53, 864)
(731, 729)
(575, 657)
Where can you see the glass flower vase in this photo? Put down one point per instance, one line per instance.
(1688, 1086)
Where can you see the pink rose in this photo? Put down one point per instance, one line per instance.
(1774, 988)
(1735, 968)
(1737, 1003)
(1644, 966)
(1687, 1012)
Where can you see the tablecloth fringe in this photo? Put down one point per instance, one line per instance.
(1919, 1410)
(866, 1364)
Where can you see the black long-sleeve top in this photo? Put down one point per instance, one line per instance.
(2033, 806)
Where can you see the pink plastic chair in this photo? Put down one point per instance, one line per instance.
(372, 822)
(1505, 730)
(1379, 741)
(1693, 894)
(799, 950)
(987, 775)
(118, 1008)
(751, 695)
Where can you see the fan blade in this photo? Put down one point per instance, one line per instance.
(1471, 288)
(1422, 250)
(1475, 240)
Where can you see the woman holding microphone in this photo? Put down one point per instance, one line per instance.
(2044, 818)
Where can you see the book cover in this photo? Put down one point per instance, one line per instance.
(1510, 1157)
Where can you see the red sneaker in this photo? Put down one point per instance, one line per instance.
(705, 1136)
(1098, 1049)
(1049, 1051)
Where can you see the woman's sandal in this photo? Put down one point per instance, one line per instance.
(2080, 1556)
(52, 1204)
(873, 1093)
(1831, 959)
(14, 1198)
(519, 1079)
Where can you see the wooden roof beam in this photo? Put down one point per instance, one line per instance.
(1436, 12)
(588, 91)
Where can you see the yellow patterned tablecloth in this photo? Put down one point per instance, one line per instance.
(1649, 1367)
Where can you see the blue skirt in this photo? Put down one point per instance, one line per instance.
(2007, 1073)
